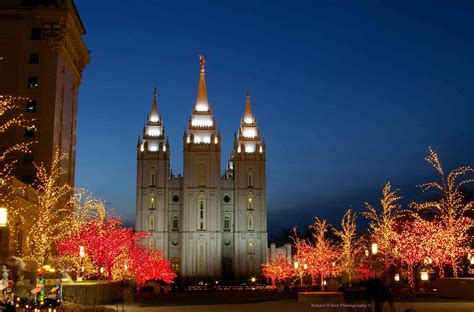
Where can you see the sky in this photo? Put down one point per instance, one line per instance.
(347, 94)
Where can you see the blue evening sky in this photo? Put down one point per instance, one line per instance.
(348, 94)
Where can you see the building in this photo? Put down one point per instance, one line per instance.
(210, 225)
(43, 57)
(13, 243)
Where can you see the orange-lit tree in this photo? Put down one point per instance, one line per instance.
(9, 120)
(325, 254)
(277, 269)
(411, 247)
(52, 211)
(382, 224)
(450, 211)
(350, 243)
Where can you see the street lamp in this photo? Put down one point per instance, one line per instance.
(81, 255)
(374, 248)
(424, 276)
(397, 277)
(3, 217)
(296, 265)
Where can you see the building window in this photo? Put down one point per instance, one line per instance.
(28, 157)
(33, 82)
(250, 178)
(27, 179)
(31, 106)
(201, 213)
(175, 265)
(30, 132)
(151, 223)
(175, 198)
(175, 224)
(250, 248)
(35, 33)
(152, 202)
(151, 244)
(250, 222)
(34, 58)
(201, 257)
(19, 239)
(226, 223)
(202, 175)
(152, 176)
(226, 198)
(250, 203)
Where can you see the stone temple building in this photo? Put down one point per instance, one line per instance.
(211, 224)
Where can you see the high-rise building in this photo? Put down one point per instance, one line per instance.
(43, 56)
(210, 225)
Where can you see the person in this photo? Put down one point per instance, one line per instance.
(38, 291)
(4, 284)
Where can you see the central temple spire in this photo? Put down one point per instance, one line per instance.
(154, 117)
(202, 103)
(248, 117)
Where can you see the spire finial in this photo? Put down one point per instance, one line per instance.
(154, 108)
(203, 62)
(202, 103)
(248, 117)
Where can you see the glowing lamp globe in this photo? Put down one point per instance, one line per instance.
(424, 276)
(397, 277)
(3, 217)
(374, 249)
(296, 265)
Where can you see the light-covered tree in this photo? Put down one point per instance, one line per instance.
(451, 209)
(350, 243)
(9, 120)
(382, 224)
(277, 269)
(326, 254)
(53, 210)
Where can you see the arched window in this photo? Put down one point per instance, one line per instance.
(152, 201)
(250, 222)
(226, 223)
(201, 256)
(250, 203)
(202, 175)
(152, 176)
(175, 224)
(250, 178)
(250, 249)
(201, 203)
(151, 223)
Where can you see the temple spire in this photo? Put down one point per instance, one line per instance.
(202, 103)
(154, 108)
(248, 117)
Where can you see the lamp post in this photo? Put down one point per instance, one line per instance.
(3, 216)
(81, 268)
(3, 224)
(374, 248)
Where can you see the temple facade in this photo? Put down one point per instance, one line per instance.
(210, 223)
